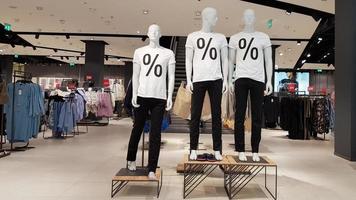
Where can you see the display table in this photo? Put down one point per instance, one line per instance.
(124, 176)
(238, 174)
(195, 172)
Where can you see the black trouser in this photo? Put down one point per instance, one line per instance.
(214, 89)
(156, 107)
(243, 87)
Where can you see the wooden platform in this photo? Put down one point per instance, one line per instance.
(139, 175)
(264, 161)
(123, 176)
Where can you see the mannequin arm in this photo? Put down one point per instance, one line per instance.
(135, 83)
(232, 58)
(269, 69)
(171, 71)
(225, 67)
(189, 67)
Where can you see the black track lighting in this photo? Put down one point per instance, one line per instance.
(13, 45)
(82, 53)
(77, 57)
(143, 38)
(106, 58)
(37, 36)
(55, 50)
(61, 57)
(299, 42)
(67, 36)
(34, 48)
(67, 57)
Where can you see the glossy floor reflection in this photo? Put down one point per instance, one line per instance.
(82, 168)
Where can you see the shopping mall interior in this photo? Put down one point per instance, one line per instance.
(120, 99)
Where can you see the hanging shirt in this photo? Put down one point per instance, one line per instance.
(154, 64)
(250, 55)
(206, 58)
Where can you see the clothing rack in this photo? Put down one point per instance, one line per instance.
(3, 152)
(305, 97)
(26, 77)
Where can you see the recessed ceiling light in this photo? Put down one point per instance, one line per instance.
(289, 49)
(288, 12)
(320, 38)
(145, 11)
(308, 55)
(91, 38)
(303, 61)
(280, 53)
(1, 50)
(138, 32)
(197, 13)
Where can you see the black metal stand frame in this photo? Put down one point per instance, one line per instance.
(117, 186)
(236, 177)
(3, 152)
(195, 174)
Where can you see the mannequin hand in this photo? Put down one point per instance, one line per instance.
(189, 87)
(169, 104)
(268, 90)
(134, 102)
(232, 88)
(225, 87)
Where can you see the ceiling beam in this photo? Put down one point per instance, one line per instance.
(316, 14)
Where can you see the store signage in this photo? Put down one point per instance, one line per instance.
(106, 83)
(7, 27)
(311, 88)
(319, 70)
(16, 56)
(71, 64)
(269, 23)
(88, 77)
(292, 87)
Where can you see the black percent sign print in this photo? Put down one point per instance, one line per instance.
(212, 51)
(253, 51)
(147, 61)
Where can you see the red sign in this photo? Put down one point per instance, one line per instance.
(292, 87)
(106, 83)
(88, 77)
(311, 88)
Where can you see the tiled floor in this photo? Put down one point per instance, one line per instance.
(82, 168)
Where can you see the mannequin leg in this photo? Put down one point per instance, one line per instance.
(196, 109)
(257, 90)
(140, 118)
(157, 111)
(241, 94)
(215, 95)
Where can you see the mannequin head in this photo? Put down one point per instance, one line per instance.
(249, 17)
(154, 33)
(209, 17)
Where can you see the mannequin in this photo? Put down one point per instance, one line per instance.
(151, 64)
(249, 50)
(206, 55)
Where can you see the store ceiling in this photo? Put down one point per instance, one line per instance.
(177, 18)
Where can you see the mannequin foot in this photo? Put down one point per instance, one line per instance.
(152, 176)
(131, 165)
(242, 156)
(193, 155)
(256, 157)
(218, 156)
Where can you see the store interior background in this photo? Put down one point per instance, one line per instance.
(51, 40)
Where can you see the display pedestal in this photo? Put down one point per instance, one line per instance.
(195, 172)
(120, 180)
(238, 174)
